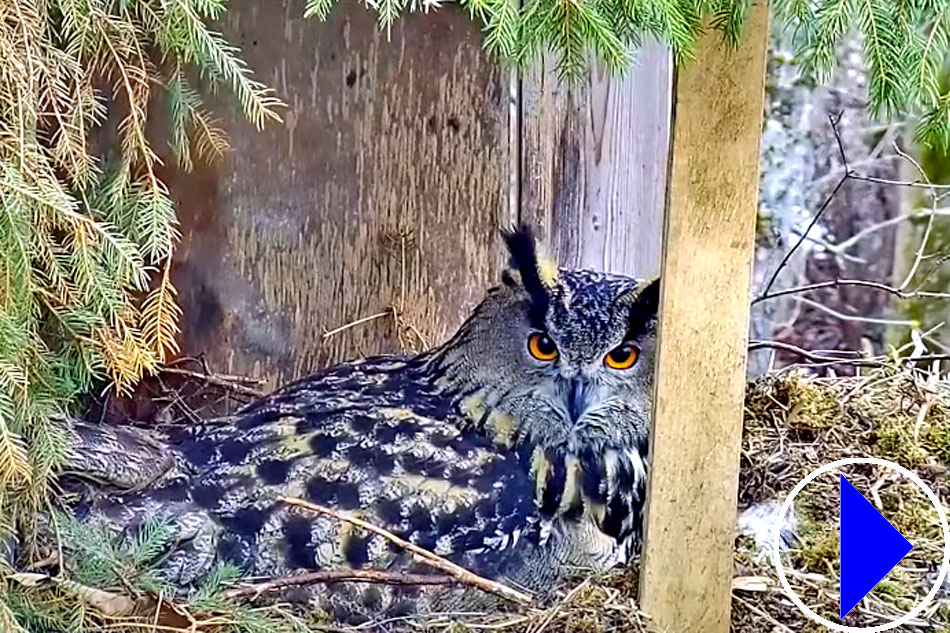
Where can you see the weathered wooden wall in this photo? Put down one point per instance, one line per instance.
(380, 189)
(594, 163)
(397, 162)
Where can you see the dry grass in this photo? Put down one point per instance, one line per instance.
(795, 424)
(593, 604)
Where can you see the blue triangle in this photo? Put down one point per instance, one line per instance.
(870, 547)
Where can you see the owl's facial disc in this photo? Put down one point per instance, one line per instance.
(584, 376)
(557, 366)
(564, 356)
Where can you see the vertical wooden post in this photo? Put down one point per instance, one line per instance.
(687, 564)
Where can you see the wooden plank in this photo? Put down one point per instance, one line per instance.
(594, 163)
(385, 186)
(687, 562)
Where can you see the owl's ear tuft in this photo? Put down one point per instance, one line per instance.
(537, 275)
(648, 297)
(644, 304)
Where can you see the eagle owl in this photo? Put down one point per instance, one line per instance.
(516, 449)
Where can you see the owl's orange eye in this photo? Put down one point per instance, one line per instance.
(542, 347)
(623, 357)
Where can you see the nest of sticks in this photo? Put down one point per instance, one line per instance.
(794, 423)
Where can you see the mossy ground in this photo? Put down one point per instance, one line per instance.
(795, 424)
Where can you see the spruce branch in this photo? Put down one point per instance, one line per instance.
(14, 462)
(8, 620)
(187, 36)
(319, 8)
(156, 226)
(160, 316)
(80, 239)
(501, 27)
(906, 45)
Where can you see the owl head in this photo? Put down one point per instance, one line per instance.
(558, 364)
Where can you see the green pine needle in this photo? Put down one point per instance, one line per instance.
(85, 295)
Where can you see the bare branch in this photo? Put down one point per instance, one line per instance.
(812, 356)
(841, 247)
(853, 317)
(930, 273)
(337, 575)
(834, 283)
(900, 183)
(824, 206)
(867, 162)
(834, 121)
(423, 555)
(823, 358)
(930, 222)
(218, 381)
(347, 326)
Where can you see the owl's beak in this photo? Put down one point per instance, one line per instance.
(577, 398)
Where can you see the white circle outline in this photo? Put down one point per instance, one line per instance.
(777, 558)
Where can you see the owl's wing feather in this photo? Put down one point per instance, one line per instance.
(367, 439)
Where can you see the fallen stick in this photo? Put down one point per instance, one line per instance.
(225, 382)
(424, 556)
(338, 575)
(109, 603)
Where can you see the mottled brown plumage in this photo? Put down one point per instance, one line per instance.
(511, 466)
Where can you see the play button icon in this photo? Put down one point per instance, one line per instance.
(870, 547)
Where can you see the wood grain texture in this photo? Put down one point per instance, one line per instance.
(594, 163)
(687, 562)
(385, 186)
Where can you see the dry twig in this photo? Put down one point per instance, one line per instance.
(423, 555)
(347, 326)
(225, 382)
(338, 575)
(835, 283)
(919, 255)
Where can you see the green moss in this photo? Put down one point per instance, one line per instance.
(818, 531)
(940, 437)
(942, 615)
(811, 406)
(911, 512)
(585, 623)
(889, 588)
(895, 441)
(896, 592)
(820, 550)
